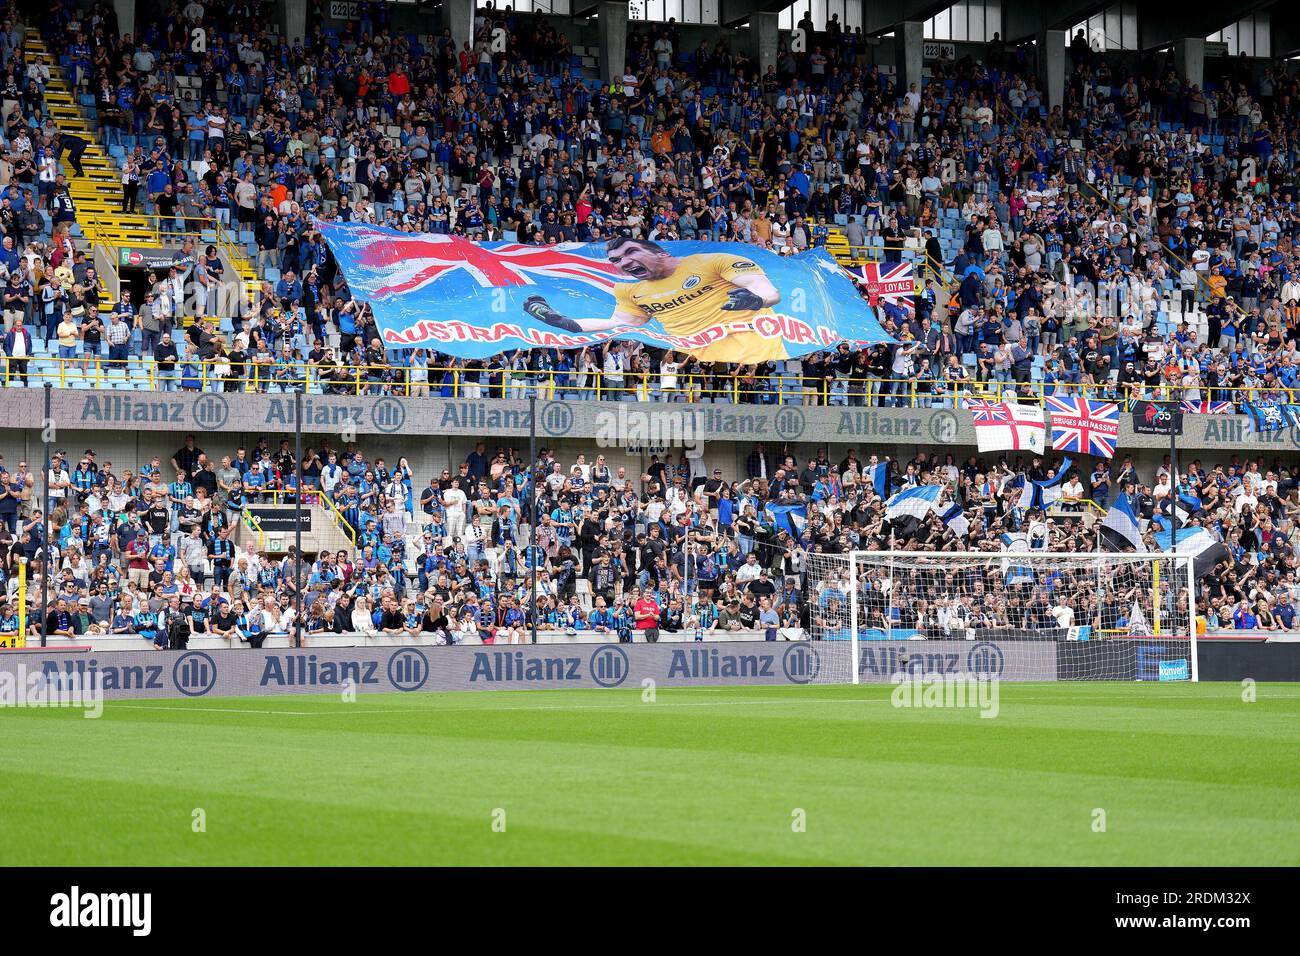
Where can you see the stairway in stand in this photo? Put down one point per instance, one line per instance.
(97, 194)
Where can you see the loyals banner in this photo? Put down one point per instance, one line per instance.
(247, 672)
(890, 286)
(723, 302)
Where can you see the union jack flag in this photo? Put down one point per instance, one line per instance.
(988, 413)
(1084, 427)
(1208, 408)
(891, 287)
(391, 266)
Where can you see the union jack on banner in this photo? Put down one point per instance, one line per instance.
(890, 286)
(1084, 427)
(1007, 426)
(987, 413)
(387, 266)
(1208, 408)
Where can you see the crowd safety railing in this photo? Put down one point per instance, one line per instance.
(157, 230)
(110, 232)
(1075, 508)
(738, 387)
(311, 497)
(254, 525)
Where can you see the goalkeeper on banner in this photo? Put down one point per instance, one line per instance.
(687, 296)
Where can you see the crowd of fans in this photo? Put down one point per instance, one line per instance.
(1137, 239)
(133, 553)
(152, 551)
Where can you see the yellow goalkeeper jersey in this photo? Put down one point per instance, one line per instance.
(690, 301)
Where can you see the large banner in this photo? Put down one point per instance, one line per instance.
(724, 302)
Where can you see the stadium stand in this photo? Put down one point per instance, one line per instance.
(1134, 242)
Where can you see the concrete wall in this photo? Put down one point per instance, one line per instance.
(429, 455)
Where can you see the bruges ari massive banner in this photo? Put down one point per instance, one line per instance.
(721, 301)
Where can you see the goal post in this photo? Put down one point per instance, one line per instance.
(1013, 615)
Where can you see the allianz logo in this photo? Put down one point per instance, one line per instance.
(711, 662)
(307, 670)
(104, 676)
(608, 666)
(502, 666)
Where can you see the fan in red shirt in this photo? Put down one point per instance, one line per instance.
(646, 613)
(399, 84)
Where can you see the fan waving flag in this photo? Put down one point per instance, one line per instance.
(955, 518)
(878, 476)
(1040, 494)
(917, 502)
(1012, 542)
(1008, 426)
(791, 518)
(1119, 531)
(1206, 550)
(1084, 427)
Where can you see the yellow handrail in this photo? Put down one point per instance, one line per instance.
(339, 521)
(315, 496)
(1058, 507)
(255, 524)
(105, 230)
(740, 386)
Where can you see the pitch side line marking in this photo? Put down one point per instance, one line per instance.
(620, 706)
(441, 710)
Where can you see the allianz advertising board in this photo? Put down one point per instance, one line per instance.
(238, 672)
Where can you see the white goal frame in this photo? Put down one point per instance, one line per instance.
(1030, 557)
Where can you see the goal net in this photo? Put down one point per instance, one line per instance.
(1016, 615)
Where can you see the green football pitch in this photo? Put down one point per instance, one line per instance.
(1066, 774)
